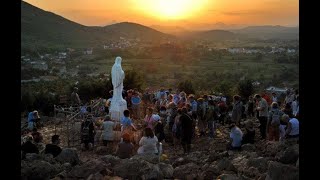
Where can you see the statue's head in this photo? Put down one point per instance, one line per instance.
(118, 60)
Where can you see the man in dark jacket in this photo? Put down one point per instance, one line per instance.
(186, 130)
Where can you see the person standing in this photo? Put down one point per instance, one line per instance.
(75, 99)
(108, 134)
(262, 108)
(186, 123)
(236, 110)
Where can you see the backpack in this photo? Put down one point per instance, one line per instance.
(85, 131)
(275, 118)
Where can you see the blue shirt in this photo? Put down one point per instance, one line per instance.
(30, 117)
(126, 121)
(236, 136)
(135, 100)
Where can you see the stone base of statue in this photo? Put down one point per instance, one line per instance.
(116, 109)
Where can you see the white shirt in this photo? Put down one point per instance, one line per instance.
(294, 107)
(294, 126)
(274, 99)
(149, 145)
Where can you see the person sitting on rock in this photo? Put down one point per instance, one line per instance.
(37, 138)
(235, 137)
(53, 148)
(28, 147)
(125, 148)
(249, 134)
(148, 143)
(292, 130)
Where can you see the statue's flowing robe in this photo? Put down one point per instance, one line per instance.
(118, 104)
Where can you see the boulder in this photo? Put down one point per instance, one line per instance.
(166, 169)
(290, 155)
(281, 171)
(225, 164)
(186, 170)
(102, 150)
(228, 177)
(96, 176)
(113, 160)
(136, 169)
(67, 167)
(68, 155)
(33, 156)
(84, 170)
(151, 158)
(180, 161)
(260, 163)
(39, 169)
(248, 147)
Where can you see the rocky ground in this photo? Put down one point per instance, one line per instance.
(208, 160)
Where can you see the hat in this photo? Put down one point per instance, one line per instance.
(249, 125)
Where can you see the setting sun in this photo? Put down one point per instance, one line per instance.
(171, 9)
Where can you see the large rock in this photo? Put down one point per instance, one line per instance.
(281, 171)
(102, 150)
(84, 170)
(248, 147)
(166, 169)
(33, 156)
(68, 155)
(180, 161)
(113, 160)
(260, 163)
(228, 177)
(290, 155)
(225, 164)
(96, 176)
(186, 170)
(151, 158)
(137, 169)
(39, 169)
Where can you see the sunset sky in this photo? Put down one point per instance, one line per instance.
(185, 13)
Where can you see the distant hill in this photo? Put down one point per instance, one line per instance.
(269, 32)
(43, 29)
(170, 29)
(212, 35)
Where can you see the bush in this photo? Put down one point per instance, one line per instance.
(186, 86)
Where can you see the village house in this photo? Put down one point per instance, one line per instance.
(88, 51)
(39, 65)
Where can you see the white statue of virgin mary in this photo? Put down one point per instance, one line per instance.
(118, 104)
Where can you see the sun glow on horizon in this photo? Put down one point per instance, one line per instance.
(171, 9)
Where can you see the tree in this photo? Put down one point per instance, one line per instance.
(133, 79)
(245, 88)
(186, 86)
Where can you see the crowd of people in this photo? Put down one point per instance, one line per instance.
(177, 118)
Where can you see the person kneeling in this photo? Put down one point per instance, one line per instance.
(235, 137)
(125, 148)
(148, 143)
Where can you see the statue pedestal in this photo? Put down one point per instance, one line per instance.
(116, 109)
